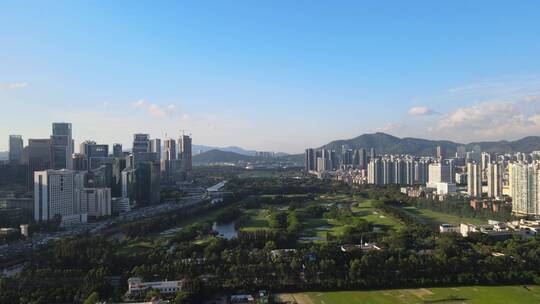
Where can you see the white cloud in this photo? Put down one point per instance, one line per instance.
(140, 104)
(420, 111)
(13, 86)
(154, 109)
(390, 127)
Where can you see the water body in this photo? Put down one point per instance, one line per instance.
(227, 231)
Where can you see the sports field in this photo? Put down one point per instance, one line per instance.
(470, 295)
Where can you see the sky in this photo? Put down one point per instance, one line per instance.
(270, 75)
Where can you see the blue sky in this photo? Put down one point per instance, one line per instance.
(270, 75)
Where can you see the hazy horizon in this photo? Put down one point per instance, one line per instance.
(271, 76)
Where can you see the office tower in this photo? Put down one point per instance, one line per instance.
(96, 154)
(80, 162)
(440, 153)
(54, 195)
(168, 165)
(155, 147)
(360, 159)
(95, 202)
(485, 159)
(185, 155)
(15, 148)
(62, 146)
(118, 165)
(375, 175)
(494, 179)
(474, 180)
(141, 143)
(334, 161)
(346, 156)
(439, 173)
(310, 160)
(372, 153)
(141, 184)
(321, 164)
(117, 150)
(83, 147)
(38, 156)
(461, 152)
(525, 188)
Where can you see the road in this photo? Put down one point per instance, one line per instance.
(40, 239)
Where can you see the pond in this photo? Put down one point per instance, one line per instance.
(227, 231)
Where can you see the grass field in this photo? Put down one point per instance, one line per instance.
(434, 218)
(469, 295)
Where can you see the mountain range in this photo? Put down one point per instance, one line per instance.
(197, 149)
(388, 144)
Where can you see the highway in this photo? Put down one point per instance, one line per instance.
(40, 239)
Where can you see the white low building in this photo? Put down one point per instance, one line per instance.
(136, 286)
(449, 228)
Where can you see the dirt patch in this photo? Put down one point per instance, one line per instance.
(302, 298)
(422, 292)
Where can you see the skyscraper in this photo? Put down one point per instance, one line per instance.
(360, 159)
(525, 188)
(185, 154)
(15, 148)
(54, 195)
(474, 180)
(310, 160)
(141, 143)
(117, 150)
(62, 146)
(155, 147)
(440, 153)
(38, 156)
(494, 179)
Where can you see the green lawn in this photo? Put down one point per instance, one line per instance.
(258, 220)
(366, 211)
(470, 294)
(434, 218)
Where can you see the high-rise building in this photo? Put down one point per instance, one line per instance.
(185, 155)
(372, 153)
(95, 202)
(360, 159)
(346, 156)
(461, 152)
(155, 147)
(96, 154)
(439, 173)
(375, 175)
(83, 147)
(310, 160)
(387, 171)
(525, 188)
(141, 143)
(80, 162)
(474, 180)
(169, 164)
(421, 172)
(118, 165)
(15, 148)
(440, 153)
(485, 159)
(494, 179)
(117, 150)
(141, 184)
(62, 146)
(38, 156)
(54, 195)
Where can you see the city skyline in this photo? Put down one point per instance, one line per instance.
(271, 76)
